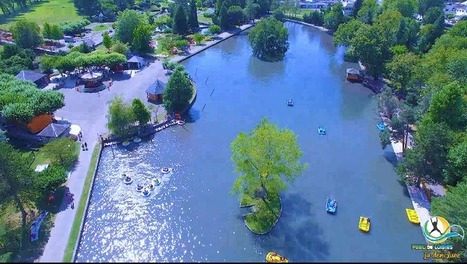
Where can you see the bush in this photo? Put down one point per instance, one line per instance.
(279, 15)
(208, 15)
(198, 38)
(214, 29)
(71, 28)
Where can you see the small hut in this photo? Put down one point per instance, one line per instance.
(156, 90)
(39, 79)
(135, 63)
(353, 75)
(53, 131)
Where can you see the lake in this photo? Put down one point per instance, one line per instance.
(192, 215)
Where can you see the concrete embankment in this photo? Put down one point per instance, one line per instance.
(221, 37)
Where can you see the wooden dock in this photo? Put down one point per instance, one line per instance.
(147, 131)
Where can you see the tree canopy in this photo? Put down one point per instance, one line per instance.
(120, 117)
(26, 34)
(75, 60)
(178, 91)
(22, 101)
(267, 158)
(269, 39)
(127, 22)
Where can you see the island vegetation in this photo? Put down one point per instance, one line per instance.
(179, 91)
(267, 158)
(269, 39)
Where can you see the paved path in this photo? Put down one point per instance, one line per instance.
(89, 110)
(417, 195)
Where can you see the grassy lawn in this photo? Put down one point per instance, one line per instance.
(74, 234)
(203, 19)
(51, 11)
(300, 13)
(41, 157)
(263, 219)
(100, 28)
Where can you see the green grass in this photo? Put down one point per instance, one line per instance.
(74, 234)
(300, 13)
(247, 200)
(100, 28)
(203, 19)
(51, 11)
(263, 219)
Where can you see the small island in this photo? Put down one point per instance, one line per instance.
(268, 158)
(269, 39)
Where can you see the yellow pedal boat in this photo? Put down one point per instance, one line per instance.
(273, 257)
(413, 216)
(364, 224)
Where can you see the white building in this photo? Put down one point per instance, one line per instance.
(323, 4)
(456, 9)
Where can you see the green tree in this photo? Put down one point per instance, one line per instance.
(178, 91)
(388, 103)
(141, 39)
(385, 138)
(62, 152)
(251, 10)
(214, 29)
(140, 112)
(119, 47)
(449, 106)
(120, 117)
(424, 5)
(401, 71)
(368, 12)
(50, 179)
(406, 7)
(452, 207)
(456, 167)
(193, 17)
(224, 19)
(26, 34)
(267, 158)
(56, 32)
(346, 32)
(428, 157)
(370, 46)
(459, 29)
(47, 30)
(269, 39)
(235, 14)
(333, 19)
(16, 181)
(356, 7)
(432, 15)
(107, 41)
(180, 23)
(127, 22)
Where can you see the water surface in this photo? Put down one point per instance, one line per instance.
(193, 217)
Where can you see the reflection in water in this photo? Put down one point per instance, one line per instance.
(125, 226)
(263, 70)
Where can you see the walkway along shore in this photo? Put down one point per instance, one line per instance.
(419, 199)
(221, 37)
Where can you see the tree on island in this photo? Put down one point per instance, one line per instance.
(267, 158)
(269, 39)
(178, 91)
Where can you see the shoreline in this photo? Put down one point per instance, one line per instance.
(272, 227)
(219, 38)
(307, 24)
(419, 200)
